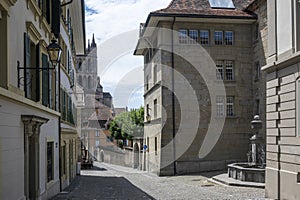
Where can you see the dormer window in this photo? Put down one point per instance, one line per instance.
(227, 4)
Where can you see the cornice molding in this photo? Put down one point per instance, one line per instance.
(7, 3)
(34, 34)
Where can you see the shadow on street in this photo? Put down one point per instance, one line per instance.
(95, 187)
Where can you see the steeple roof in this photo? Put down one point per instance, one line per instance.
(93, 45)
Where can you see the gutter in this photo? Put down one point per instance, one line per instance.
(174, 15)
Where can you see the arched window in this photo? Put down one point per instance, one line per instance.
(90, 82)
(80, 80)
(84, 83)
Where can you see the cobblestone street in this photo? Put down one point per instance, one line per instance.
(107, 181)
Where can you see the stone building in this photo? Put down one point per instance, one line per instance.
(282, 101)
(37, 102)
(194, 46)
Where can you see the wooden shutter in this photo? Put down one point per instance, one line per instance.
(37, 74)
(45, 84)
(26, 65)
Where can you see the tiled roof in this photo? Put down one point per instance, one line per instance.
(202, 7)
(103, 112)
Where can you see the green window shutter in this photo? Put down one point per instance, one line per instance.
(45, 84)
(27, 64)
(37, 74)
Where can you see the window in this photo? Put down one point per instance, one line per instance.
(154, 74)
(257, 107)
(97, 143)
(193, 36)
(97, 133)
(219, 70)
(228, 38)
(256, 31)
(222, 105)
(50, 159)
(45, 8)
(204, 37)
(221, 4)
(257, 71)
(155, 108)
(147, 82)
(229, 106)
(183, 37)
(155, 145)
(229, 70)
(31, 76)
(218, 37)
(225, 70)
(63, 159)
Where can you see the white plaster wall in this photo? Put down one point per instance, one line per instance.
(18, 15)
(12, 148)
(284, 26)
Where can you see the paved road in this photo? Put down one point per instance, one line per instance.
(107, 181)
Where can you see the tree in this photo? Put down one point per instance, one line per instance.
(128, 124)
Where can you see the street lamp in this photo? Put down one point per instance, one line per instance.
(54, 52)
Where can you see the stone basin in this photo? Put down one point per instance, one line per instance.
(246, 172)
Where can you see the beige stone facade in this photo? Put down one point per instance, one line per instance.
(166, 155)
(282, 100)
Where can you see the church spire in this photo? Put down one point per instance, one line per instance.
(93, 42)
(89, 46)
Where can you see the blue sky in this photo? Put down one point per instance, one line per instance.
(115, 24)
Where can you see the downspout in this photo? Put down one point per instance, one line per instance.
(173, 99)
(59, 128)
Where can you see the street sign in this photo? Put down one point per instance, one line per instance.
(145, 146)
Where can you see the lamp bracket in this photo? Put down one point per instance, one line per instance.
(27, 75)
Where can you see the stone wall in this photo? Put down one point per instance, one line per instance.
(282, 172)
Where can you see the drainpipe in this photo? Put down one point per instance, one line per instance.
(59, 129)
(173, 100)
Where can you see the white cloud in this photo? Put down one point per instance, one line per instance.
(108, 19)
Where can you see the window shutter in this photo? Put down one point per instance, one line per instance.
(56, 17)
(37, 73)
(27, 64)
(45, 77)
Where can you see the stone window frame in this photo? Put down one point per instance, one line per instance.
(97, 143)
(225, 106)
(225, 70)
(154, 74)
(220, 106)
(204, 39)
(229, 70)
(228, 39)
(219, 70)
(155, 108)
(97, 133)
(183, 36)
(193, 36)
(229, 106)
(218, 37)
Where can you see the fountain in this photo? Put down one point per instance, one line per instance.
(254, 170)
